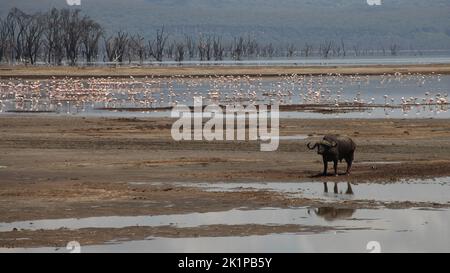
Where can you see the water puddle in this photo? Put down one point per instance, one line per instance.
(412, 230)
(294, 137)
(267, 216)
(432, 190)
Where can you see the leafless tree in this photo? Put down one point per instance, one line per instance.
(156, 47)
(218, 49)
(190, 46)
(205, 47)
(179, 52)
(394, 48)
(336, 49)
(32, 34)
(307, 50)
(72, 29)
(90, 36)
(3, 38)
(53, 37)
(325, 49)
(344, 51)
(251, 47)
(357, 49)
(268, 50)
(17, 25)
(238, 48)
(290, 50)
(115, 47)
(170, 49)
(137, 47)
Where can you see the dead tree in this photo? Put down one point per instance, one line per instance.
(54, 49)
(205, 47)
(17, 24)
(115, 47)
(250, 47)
(137, 47)
(72, 29)
(290, 50)
(169, 50)
(218, 49)
(394, 48)
(238, 48)
(344, 52)
(190, 46)
(157, 46)
(90, 36)
(3, 39)
(179, 52)
(32, 37)
(307, 50)
(357, 49)
(325, 49)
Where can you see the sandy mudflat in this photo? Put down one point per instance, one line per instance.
(61, 167)
(205, 71)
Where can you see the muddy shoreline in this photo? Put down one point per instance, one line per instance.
(55, 167)
(207, 71)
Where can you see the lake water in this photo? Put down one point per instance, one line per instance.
(386, 96)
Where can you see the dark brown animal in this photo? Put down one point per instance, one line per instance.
(335, 148)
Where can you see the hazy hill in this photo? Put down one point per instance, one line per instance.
(421, 24)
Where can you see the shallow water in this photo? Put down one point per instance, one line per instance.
(433, 190)
(88, 96)
(411, 230)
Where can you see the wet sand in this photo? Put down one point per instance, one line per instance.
(64, 166)
(206, 71)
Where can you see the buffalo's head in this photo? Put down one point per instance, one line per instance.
(323, 146)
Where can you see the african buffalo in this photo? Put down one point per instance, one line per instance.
(334, 148)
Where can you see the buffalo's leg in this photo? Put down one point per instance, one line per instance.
(325, 167)
(349, 189)
(349, 163)
(336, 188)
(325, 187)
(349, 166)
(335, 168)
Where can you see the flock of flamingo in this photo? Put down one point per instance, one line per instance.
(77, 95)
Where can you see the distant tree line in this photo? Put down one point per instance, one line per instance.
(65, 36)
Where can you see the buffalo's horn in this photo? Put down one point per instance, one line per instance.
(312, 148)
(326, 143)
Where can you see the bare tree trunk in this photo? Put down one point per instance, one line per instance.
(72, 29)
(158, 45)
(179, 52)
(218, 49)
(307, 50)
(394, 48)
(116, 46)
(3, 38)
(290, 50)
(33, 37)
(190, 46)
(137, 47)
(325, 49)
(90, 36)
